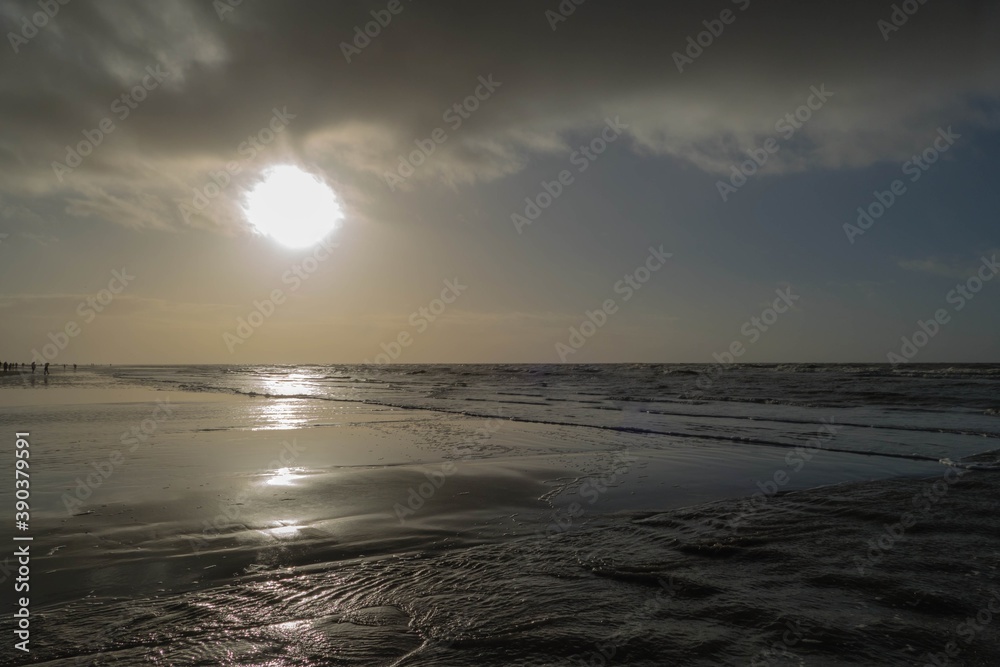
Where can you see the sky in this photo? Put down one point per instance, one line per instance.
(543, 182)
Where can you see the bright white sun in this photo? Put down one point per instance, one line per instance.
(293, 207)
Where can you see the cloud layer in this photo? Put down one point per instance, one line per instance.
(353, 120)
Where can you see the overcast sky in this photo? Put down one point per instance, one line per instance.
(835, 100)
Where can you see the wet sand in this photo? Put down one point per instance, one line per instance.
(149, 501)
(176, 483)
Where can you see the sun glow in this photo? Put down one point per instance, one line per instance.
(294, 207)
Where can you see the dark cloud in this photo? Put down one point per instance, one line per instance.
(352, 120)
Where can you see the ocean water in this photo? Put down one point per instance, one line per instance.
(514, 515)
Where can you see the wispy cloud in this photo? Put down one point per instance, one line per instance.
(947, 268)
(933, 266)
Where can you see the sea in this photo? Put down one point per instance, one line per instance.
(514, 514)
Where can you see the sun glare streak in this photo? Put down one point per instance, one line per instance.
(283, 477)
(284, 530)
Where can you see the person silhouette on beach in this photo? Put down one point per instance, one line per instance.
(32, 367)
(46, 368)
(74, 367)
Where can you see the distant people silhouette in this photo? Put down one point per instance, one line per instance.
(74, 367)
(32, 367)
(46, 368)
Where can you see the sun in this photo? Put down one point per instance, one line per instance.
(295, 208)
